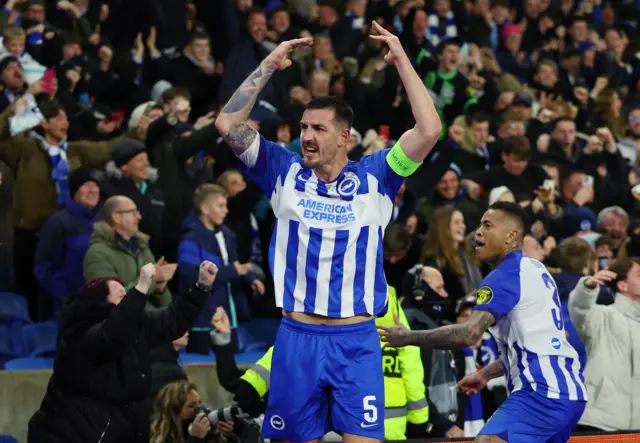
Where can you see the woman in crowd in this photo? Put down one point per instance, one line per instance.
(102, 371)
(446, 250)
(174, 416)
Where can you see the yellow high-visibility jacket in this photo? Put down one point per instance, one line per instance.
(404, 390)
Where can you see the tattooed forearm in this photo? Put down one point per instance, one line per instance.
(245, 96)
(232, 121)
(494, 370)
(240, 137)
(456, 336)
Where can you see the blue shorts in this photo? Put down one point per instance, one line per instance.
(527, 417)
(325, 378)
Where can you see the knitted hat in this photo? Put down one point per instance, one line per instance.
(138, 112)
(125, 149)
(507, 30)
(78, 178)
(578, 219)
(496, 193)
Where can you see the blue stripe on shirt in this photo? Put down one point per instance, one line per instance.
(291, 267)
(562, 381)
(358, 282)
(520, 356)
(568, 364)
(337, 273)
(542, 387)
(312, 265)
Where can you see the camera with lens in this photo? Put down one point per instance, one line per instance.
(245, 427)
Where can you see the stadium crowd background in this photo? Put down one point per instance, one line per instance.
(540, 102)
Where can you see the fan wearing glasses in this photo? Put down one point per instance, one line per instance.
(118, 249)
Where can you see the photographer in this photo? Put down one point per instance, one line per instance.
(250, 387)
(102, 371)
(179, 402)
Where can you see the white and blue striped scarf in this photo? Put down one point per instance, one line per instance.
(59, 167)
(474, 415)
(434, 32)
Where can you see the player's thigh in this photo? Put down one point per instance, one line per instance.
(355, 362)
(573, 414)
(298, 405)
(526, 417)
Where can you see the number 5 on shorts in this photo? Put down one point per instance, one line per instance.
(370, 410)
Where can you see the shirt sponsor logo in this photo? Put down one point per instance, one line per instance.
(326, 212)
(484, 295)
(556, 343)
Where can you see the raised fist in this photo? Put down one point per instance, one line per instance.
(208, 273)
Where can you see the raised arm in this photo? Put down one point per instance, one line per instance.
(232, 121)
(456, 336)
(416, 143)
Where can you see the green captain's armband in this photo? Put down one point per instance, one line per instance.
(400, 163)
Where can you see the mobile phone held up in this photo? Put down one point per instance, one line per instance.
(47, 80)
(588, 181)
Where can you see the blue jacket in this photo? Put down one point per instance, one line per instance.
(63, 242)
(198, 244)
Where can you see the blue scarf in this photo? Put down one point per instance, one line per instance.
(474, 415)
(59, 167)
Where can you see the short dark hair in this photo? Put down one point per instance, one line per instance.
(396, 240)
(519, 146)
(174, 92)
(344, 113)
(515, 212)
(477, 117)
(621, 267)
(199, 35)
(255, 10)
(49, 108)
(559, 120)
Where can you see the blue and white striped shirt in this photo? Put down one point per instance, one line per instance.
(326, 250)
(529, 330)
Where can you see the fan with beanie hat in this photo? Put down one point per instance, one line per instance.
(78, 178)
(126, 149)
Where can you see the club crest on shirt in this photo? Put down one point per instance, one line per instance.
(349, 185)
(484, 295)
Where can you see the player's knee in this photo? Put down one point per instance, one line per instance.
(488, 439)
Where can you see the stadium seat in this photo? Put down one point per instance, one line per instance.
(186, 358)
(40, 339)
(248, 358)
(8, 439)
(6, 351)
(264, 330)
(248, 343)
(29, 364)
(13, 307)
(14, 313)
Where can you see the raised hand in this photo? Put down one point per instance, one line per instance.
(396, 52)
(600, 278)
(147, 276)
(220, 320)
(279, 60)
(395, 336)
(208, 272)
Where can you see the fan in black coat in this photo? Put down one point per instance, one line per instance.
(102, 372)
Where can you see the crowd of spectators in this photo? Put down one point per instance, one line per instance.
(109, 158)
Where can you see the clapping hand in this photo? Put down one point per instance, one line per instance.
(165, 271)
(147, 276)
(208, 272)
